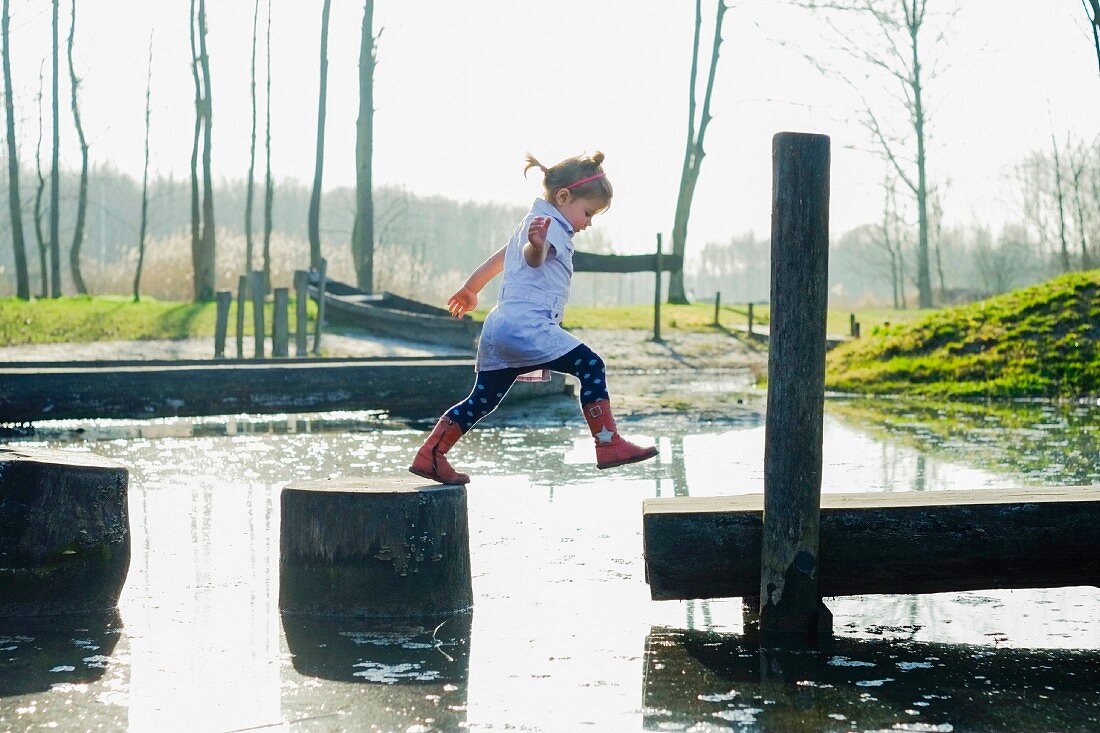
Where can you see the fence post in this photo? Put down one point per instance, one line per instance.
(301, 295)
(319, 326)
(717, 305)
(221, 322)
(242, 293)
(790, 600)
(257, 283)
(657, 293)
(750, 319)
(280, 332)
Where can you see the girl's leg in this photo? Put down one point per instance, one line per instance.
(611, 449)
(489, 389)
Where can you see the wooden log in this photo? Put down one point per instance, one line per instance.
(257, 290)
(796, 385)
(64, 532)
(301, 299)
(280, 328)
(374, 548)
(909, 542)
(223, 299)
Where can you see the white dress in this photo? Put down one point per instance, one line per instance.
(524, 329)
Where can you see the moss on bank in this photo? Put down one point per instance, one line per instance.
(1040, 341)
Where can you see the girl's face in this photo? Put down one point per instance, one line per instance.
(578, 211)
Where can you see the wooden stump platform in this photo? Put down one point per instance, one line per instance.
(64, 532)
(908, 542)
(374, 548)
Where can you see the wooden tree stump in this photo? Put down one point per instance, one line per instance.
(64, 532)
(374, 548)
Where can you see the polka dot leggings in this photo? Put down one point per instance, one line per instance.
(491, 386)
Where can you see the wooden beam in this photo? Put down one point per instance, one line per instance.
(909, 542)
(588, 262)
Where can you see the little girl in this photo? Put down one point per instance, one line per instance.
(523, 333)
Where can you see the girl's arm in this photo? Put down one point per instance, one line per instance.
(465, 300)
(534, 252)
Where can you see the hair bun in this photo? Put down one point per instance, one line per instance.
(597, 158)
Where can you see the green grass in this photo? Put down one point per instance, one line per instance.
(1040, 341)
(84, 319)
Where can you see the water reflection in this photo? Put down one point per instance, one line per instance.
(48, 665)
(562, 609)
(715, 681)
(408, 675)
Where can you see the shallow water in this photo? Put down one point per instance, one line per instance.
(563, 635)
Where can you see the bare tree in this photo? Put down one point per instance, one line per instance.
(1078, 159)
(1060, 197)
(39, 189)
(82, 195)
(55, 173)
(319, 166)
(207, 270)
(1092, 11)
(362, 233)
(892, 242)
(693, 150)
(251, 148)
(268, 182)
(898, 51)
(144, 176)
(15, 204)
(202, 237)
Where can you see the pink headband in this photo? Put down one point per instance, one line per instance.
(574, 184)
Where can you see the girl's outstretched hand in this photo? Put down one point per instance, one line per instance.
(462, 302)
(536, 233)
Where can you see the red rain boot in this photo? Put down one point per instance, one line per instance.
(431, 461)
(611, 449)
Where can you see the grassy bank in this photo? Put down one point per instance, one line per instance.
(1040, 341)
(83, 319)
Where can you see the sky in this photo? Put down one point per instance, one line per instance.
(464, 90)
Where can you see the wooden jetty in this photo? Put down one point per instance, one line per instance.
(409, 387)
(908, 542)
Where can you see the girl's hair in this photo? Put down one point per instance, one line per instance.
(571, 170)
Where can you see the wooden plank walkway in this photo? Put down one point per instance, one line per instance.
(907, 542)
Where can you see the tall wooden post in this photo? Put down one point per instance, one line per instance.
(221, 322)
(717, 306)
(242, 294)
(301, 300)
(657, 293)
(256, 285)
(750, 319)
(320, 324)
(789, 597)
(280, 332)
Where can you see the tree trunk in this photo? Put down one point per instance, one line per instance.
(319, 165)
(196, 239)
(1078, 167)
(924, 279)
(43, 247)
(82, 195)
(55, 175)
(144, 177)
(1059, 194)
(269, 184)
(1093, 11)
(207, 260)
(251, 148)
(15, 204)
(694, 151)
(362, 236)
